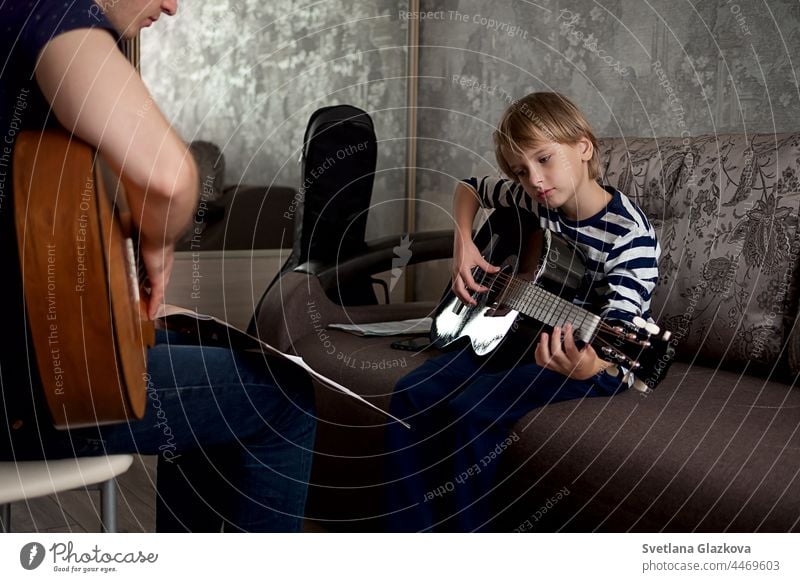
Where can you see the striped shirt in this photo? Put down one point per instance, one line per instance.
(619, 243)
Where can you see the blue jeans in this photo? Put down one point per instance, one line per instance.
(233, 432)
(440, 474)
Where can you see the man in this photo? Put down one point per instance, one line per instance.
(233, 432)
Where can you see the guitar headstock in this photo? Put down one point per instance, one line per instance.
(639, 346)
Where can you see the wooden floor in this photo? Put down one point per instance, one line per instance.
(79, 511)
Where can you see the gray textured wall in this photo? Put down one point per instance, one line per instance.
(635, 67)
(247, 74)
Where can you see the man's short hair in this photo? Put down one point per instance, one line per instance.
(539, 118)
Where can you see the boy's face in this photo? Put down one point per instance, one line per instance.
(130, 16)
(552, 173)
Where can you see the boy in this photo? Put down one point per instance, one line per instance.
(441, 473)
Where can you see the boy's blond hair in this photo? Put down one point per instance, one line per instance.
(539, 118)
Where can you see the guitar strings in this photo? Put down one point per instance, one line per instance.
(526, 287)
(605, 343)
(529, 286)
(507, 280)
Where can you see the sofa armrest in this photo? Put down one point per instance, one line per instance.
(297, 306)
(378, 258)
(298, 303)
(245, 218)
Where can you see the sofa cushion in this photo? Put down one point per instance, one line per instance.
(252, 217)
(727, 225)
(709, 450)
(793, 348)
(211, 175)
(369, 366)
(646, 170)
(296, 308)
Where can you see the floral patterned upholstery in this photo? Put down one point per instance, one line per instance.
(725, 209)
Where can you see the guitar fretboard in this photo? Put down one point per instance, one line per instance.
(549, 308)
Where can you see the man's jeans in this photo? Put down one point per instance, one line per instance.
(233, 432)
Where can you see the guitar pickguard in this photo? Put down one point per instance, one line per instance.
(485, 330)
(546, 261)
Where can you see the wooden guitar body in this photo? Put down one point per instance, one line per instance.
(80, 283)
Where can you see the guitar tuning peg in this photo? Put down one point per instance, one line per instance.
(652, 328)
(648, 327)
(621, 358)
(641, 386)
(612, 354)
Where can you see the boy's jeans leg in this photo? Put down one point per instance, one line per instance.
(417, 458)
(487, 411)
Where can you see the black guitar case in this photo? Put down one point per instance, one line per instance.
(330, 219)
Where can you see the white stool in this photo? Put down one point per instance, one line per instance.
(29, 479)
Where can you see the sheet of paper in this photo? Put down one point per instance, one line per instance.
(387, 328)
(209, 327)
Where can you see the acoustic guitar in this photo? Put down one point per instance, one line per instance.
(533, 292)
(81, 282)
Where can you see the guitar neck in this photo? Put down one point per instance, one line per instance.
(550, 309)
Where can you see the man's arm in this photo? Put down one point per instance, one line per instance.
(96, 94)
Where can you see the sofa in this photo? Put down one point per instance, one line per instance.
(714, 448)
(235, 216)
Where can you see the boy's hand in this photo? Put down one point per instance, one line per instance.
(466, 256)
(569, 360)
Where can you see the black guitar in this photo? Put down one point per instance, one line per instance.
(540, 275)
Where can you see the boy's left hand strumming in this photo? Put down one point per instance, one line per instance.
(568, 359)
